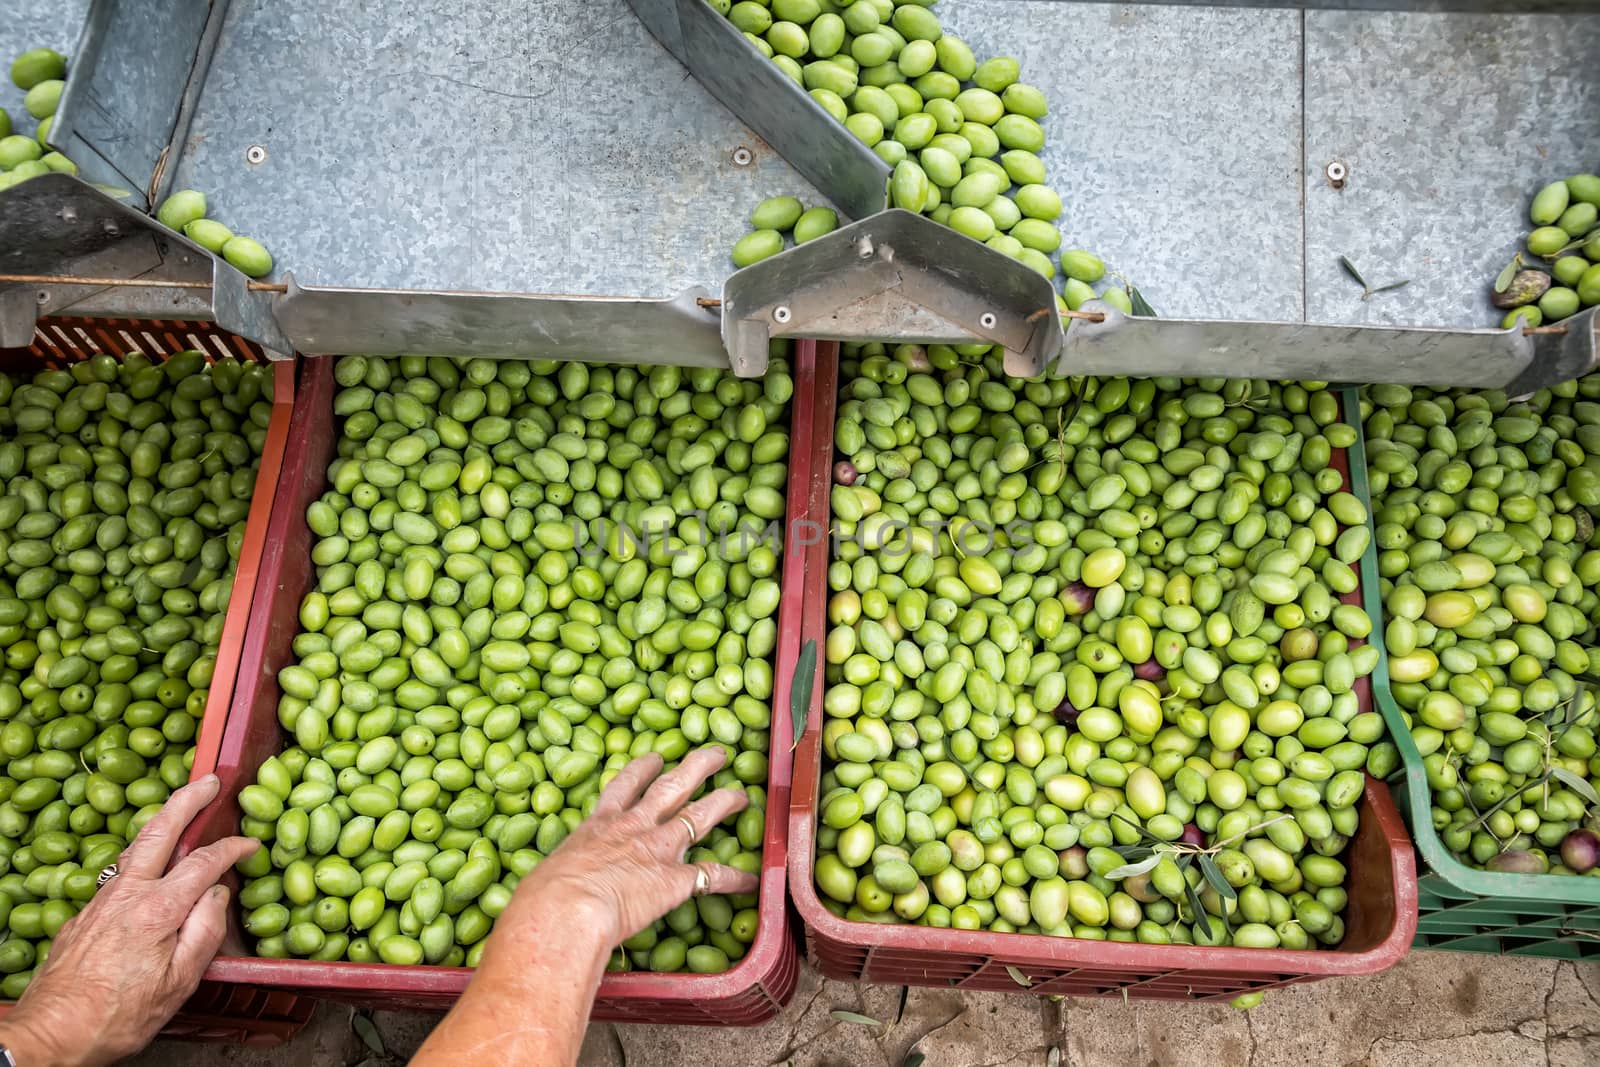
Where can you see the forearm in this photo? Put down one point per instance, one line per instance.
(529, 1002)
(31, 1044)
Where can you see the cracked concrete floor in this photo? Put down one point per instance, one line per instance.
(1432, 1010)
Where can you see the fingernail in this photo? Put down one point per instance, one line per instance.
(219, 893)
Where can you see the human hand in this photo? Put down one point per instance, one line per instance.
(623, 867)
(126, 963)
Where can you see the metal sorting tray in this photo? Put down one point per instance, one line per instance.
(560, 149)
(554, 148)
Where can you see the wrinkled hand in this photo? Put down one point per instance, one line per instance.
(624, 865)
(126, 963)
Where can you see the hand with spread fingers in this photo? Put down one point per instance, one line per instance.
(620, 870)
(125, 964)
(624, 865)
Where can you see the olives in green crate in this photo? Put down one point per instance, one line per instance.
(528, 574)
(126, 489)
(1485, 510)
(1055, 702)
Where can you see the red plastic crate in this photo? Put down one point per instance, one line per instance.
(751, 992)
(1379, 922)
(217, 1013)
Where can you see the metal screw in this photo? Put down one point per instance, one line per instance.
(255, 155)
(987, 320)
(864, 246)
(69, 214)
(780, 314)
(743, 157)
(44, 297)
(1336, 173)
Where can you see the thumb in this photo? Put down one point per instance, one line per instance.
(198, 940)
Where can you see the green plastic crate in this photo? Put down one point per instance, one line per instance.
(1459, 907)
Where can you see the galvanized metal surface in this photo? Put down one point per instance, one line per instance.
(1447, 125)
(557, 148)
(895, 269)
(26, 24)
(496, 146)
(1490, 359)
(1173, 139)
(501, 326)
(129, 72)
(774, 106)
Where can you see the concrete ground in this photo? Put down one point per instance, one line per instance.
(1434, 1009)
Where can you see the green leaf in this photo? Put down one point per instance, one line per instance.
(1401, 284)
(1577, 783)
(1213, 875)
(1503, 281)
(1018, 977)
(1202, 918)
(800, 690)
(914, 1060)
(1128, 870)
(368, 1033)
(854, 1017)
(1350, 269)
(1141, 307)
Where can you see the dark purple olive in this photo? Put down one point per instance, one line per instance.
(1065, 713)
(1518, 861)
(845, 473)
(1078, 599)
(1580, 850)
(1150, 671)
(1192, 835)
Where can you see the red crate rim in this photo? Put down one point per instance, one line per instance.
(1043, 950)
(772, 949)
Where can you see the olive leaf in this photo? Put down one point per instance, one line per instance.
(1503, 281)
(1367, 290)
(1576, 243)
(367, 1031)
(800, 690)
(1577, 783)
(1018, 977)
(854, 1017)
(1350, 269)
(1141, 307)
(1053, 1057)
(914, 1060)
(900, 1012)
(1213, 874)
(1202, 918)
(1128, 870)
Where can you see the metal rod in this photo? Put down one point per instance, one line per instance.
(134, 283)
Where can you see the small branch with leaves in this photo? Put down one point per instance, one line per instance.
(1368, 291)
(1151, 850)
